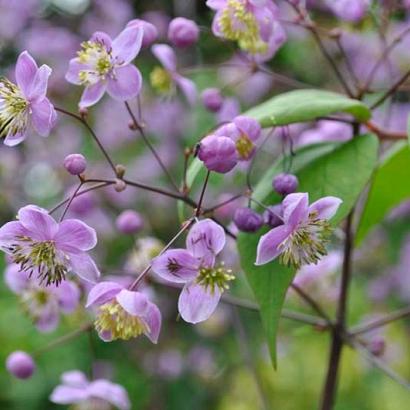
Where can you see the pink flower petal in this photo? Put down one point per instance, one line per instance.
(9, 232)
(135, 303)
(326, 207)
(75, 234)
(295, 208)
(153, 320)
(127, 44)
(187, 87)
(41, 225)
(43, 116)
(166, 55)
(110, 392)
(14, 139)
(38, 88)
(73, 72)
(83, 265)
(68, 395)
(268, 244)
(92, 94)
(196, 303)
(102, 293)
(176, 265)
(68, 295)
(26, 69)
(126, 84)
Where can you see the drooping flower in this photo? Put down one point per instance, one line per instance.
(195, 267)
(123, 314)
(105, 65)
(99, 394)
(42, 304)
(302, 237)
(243, 131)
(253, 24)
(48, 249)
(24, 105)
(164, 79)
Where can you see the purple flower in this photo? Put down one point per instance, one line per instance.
(301, 239)
(47, 248)
(217, 153)
(164, 79)
(247, 220)
(129, 222)
(42, 304)
(349, 10)
(75, 164)
(105, 65)
(123, 314)
(212, 99)
(25, 104)
(98, 394)
(183, 32)
(195, 267)
(244, 131)
(253, 24)
(285, 184)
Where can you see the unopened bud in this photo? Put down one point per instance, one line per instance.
(120, 185)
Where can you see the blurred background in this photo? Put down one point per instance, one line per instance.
(223, 363)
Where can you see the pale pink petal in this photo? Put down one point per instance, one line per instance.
(74, 378)
(14, 139)
(126, 84)
(38, 88)
(127, 44)
(9, 232)
(295, 208)
(268, 246)
(102, 38)
(68, 295)
(73, 73)
(153, 320)
(68, 395)
(216, 4)
(110, 392)
(26, 69)
(73, 233)
(166, 55)
(83, 265)
(176, 265)
(197, 303)
(187, 87)
(102, 293)
(135, 303)
(92, 94)
(325, 207)
(16, 280)
(41, 225)
(43, 116)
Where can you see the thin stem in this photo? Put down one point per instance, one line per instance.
(93, 134)
(150, 146)
(201, 198)
(330, 387)
(71, 199)
(367, 327)
(222, 204)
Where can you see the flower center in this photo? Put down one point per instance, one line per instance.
(161, 80)
(244, 147)
(98, 58)
(213, 278)
(307, 244)
(117, 322)
(14, 113)
(42, 258)
(238, 24)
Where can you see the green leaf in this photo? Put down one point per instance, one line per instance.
(306, 105)
(408, 129)
(390, 186)
(341, 170)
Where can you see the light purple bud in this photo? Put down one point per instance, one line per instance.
(377, 346)
(150, 32)
(20, 364)
(212, 99)
(183, 32)
(218, 153)
(129, 222)
(285, 184)
(75, 164)
(273, 216)
(247, 220)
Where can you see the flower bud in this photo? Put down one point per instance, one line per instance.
(120, 170)
(212, 99)
(247, 220)
(183, 32)
(150, 32)
(120, 185)
(75, 164)
(218, 153)
(20, 364)
(273, 216)
(129, 222)
(377, 346)
(285, 184)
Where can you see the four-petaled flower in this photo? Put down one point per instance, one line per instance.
(122, 313)
(105, 64)
(164, 79)
(99, 394)
(42, 304)
(25, 104)
(302, 237)
(204, 282)
(49, 249)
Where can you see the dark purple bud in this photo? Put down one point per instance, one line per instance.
(183, 32)
(20, 364)
(273, 216)
(285, 184)
(218, 153)
(377, 346)
(247, 220)
(75, 164)
(212, 99)
(129, 222)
